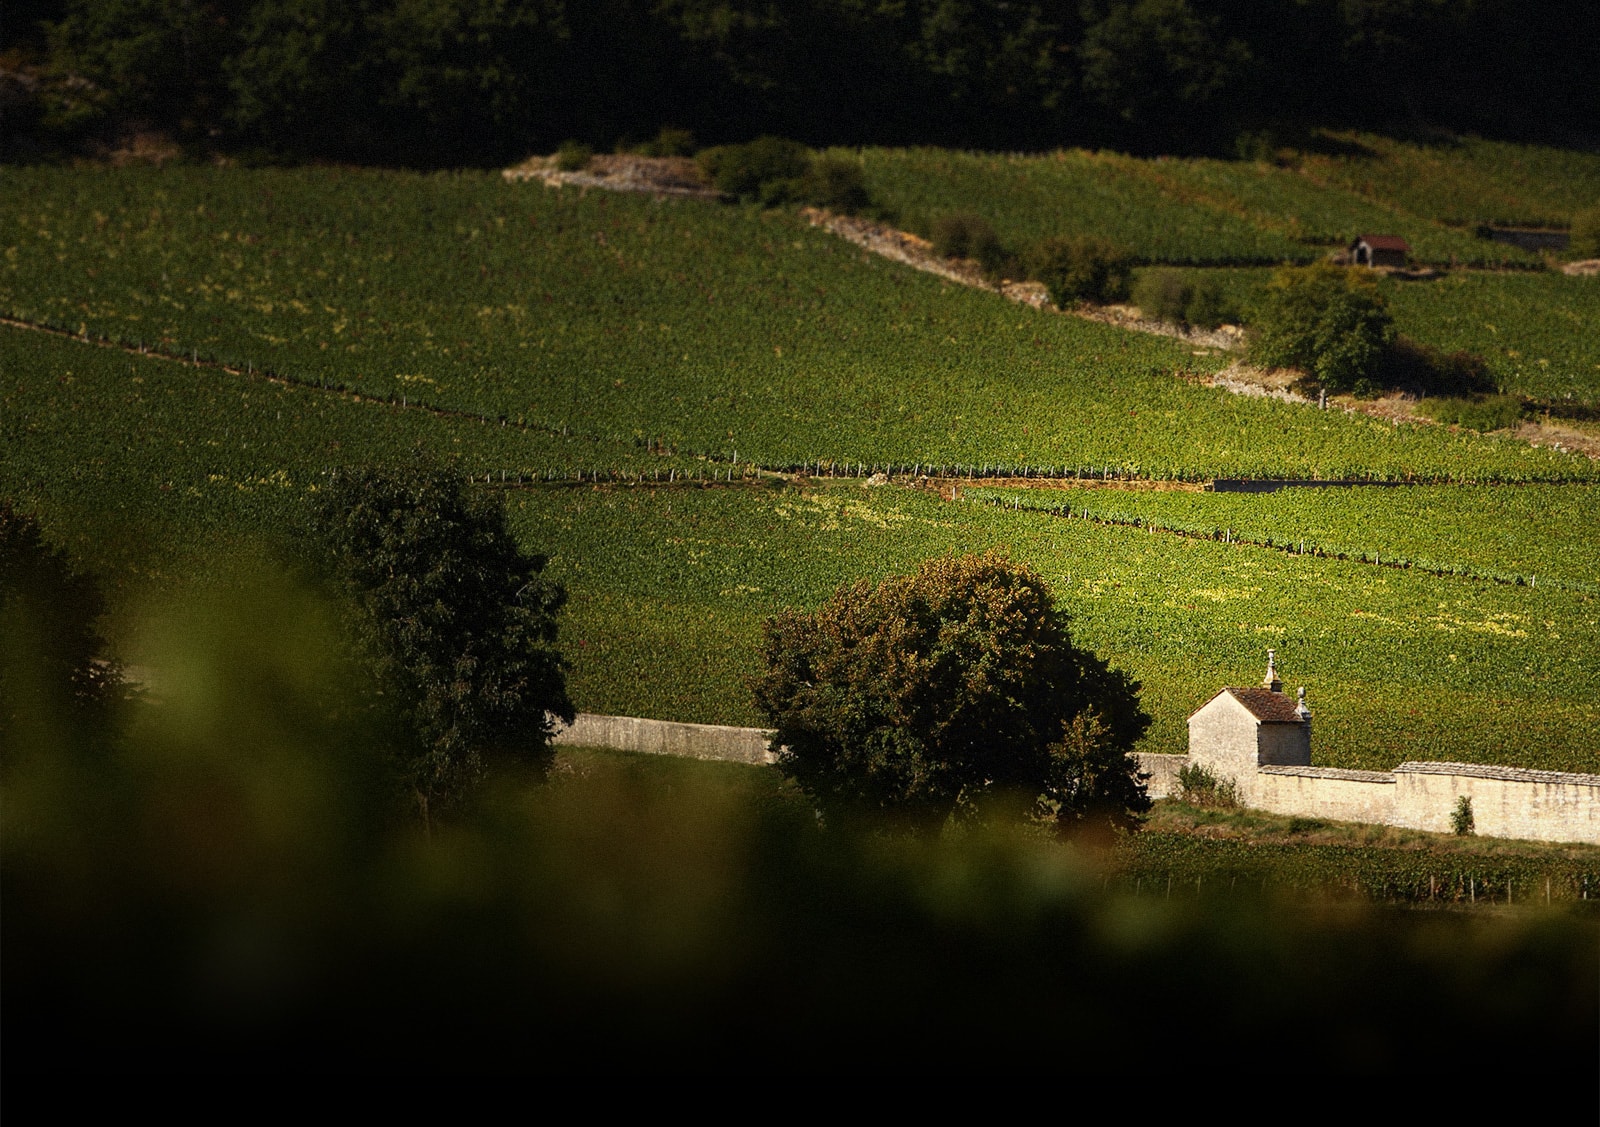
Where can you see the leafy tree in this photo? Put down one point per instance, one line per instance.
(52, 666)
(1081, 268)
(1150, 61)
(1330, 321)
(454, 624)
(941, 692)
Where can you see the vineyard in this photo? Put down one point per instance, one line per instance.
(711, 330)
(1539, 333)
(1231, 213)
(1462, 182)
(1525, 536)
(628, 370)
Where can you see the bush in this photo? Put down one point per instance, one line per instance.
(945, 693)
(669, 143)
(1494, 412)
(1164, 295)
(1081, 268)
(573, 156)
(1328, 321)
(1585, 234)
(1208, 307)
(965, 235)
(769, 169)
(1198, 785)
(1461, 820)
(835, 183)
(453, 624)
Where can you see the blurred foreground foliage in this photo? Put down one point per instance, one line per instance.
(225, 881)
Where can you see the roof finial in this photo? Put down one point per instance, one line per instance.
(1271, 680)
(1301, 710)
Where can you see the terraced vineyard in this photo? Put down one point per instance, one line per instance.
(1539, 333)
(1528, 535)
(151, 470)
(1461, 182)
(715, 330)
(1184, 212)
(533, 338)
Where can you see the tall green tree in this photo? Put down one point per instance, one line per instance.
(948, 692)
(454, 623)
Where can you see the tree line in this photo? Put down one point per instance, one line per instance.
(437, 82)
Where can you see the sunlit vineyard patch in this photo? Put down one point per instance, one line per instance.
(707, 329)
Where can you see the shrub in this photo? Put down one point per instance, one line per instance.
(1198, 785)
(1426, 370)
(1081, 268)
(669, 143)
(1170, 296)
(835, 183)
(1585, 233)
(963, 234)
(945, 693)
(1494, 412)
(769, 169)
(1326, 320)
(1207, 306)
(1164, 295)
(573, 156)
(1461, 820)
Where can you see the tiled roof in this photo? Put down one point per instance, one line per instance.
(1385, 242)
(1268, 706)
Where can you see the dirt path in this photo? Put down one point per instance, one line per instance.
(917, 253)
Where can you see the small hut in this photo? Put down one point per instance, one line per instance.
(1242, 729)
(1379, 250)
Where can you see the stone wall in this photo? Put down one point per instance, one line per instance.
(1163, 771)
(1506, 801)
(667, 737)
(1326, 792)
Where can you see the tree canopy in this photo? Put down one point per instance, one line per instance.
(454, 624)
(464, 81)
(1328, 320)
(944, 692)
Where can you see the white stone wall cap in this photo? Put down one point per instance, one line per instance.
(1509, 774)
(1328, 773)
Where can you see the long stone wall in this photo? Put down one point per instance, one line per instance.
(1326, 792)
(1506, 801)
(667, 737)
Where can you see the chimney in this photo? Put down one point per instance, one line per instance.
(1271, 680)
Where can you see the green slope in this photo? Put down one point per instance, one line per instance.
(715, 329)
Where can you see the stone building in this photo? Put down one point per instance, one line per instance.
(1379, 250)
(1241, 730)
